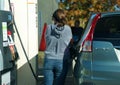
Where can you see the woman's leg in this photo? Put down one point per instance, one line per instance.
(48, 72)
(57, 71)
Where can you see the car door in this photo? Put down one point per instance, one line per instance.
(106, 51)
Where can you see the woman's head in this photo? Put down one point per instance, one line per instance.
(59, 17)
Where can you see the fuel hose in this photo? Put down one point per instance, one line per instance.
(35, 76)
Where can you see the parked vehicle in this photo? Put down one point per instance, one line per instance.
(98, 62)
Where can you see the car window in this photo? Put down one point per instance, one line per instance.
(108, 27)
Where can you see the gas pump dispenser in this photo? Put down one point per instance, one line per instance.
(8, 56)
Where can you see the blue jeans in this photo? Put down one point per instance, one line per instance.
(62, 77)
(67, 62)
(56, 70)
(52, 70)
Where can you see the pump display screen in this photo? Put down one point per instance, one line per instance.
(4, 29)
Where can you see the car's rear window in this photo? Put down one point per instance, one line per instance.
(108, 27)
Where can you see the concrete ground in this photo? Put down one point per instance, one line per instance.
(69, 81)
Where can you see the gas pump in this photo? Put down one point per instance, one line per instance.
(8, 67)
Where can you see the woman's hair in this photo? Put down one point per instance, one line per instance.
(59, 17)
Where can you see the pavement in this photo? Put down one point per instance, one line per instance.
(69, 81)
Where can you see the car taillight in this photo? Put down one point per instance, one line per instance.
(87, 43)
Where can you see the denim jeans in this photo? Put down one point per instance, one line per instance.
(52, 70)
(61, 79)
(56, 70)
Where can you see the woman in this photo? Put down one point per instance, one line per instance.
(58, 36)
